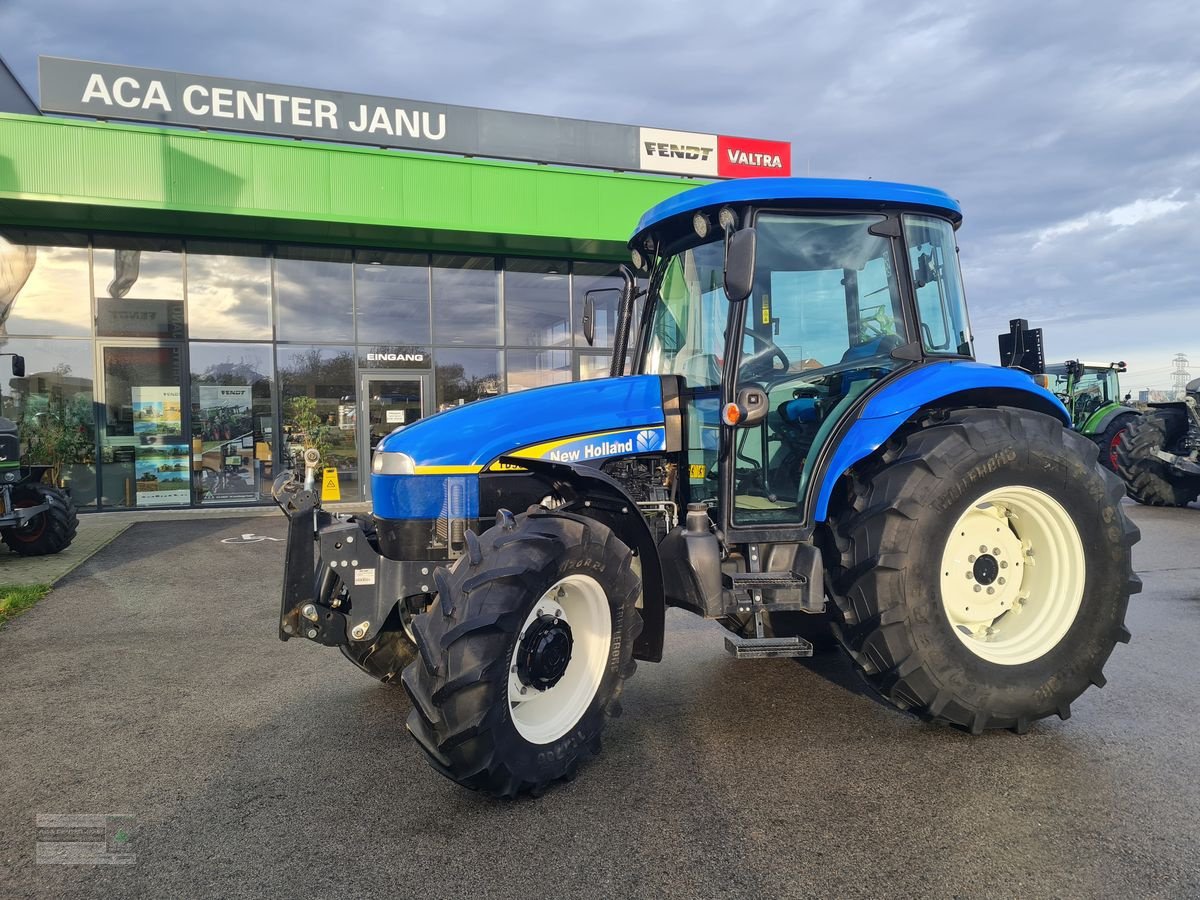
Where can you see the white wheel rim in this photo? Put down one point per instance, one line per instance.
(1012, 575)
(544, 716)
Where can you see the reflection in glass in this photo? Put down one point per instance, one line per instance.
(320, 409)
(139, 287)
(52, 407)
(466, 300)
(536, 368)
(594, 365)
(465, 375)
(313, 294)
(537, 303)
(228, 291)
(232, 422)
(392, 294)
(595, 276)
(145, 457)
(44, 284)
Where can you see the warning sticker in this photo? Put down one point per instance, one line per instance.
(696, 473)
(364, 576)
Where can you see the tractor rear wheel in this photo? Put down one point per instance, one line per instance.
(524, 653)
(1110, 439)
(1148, 478)
(985, 569)
(48, 532)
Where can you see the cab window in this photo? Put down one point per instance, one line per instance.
(933, 256)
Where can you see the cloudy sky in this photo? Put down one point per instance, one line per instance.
(1070, 131)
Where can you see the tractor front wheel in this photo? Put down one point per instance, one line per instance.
(48, 532)
(1109, 440)
(985, 569)
(524, 652)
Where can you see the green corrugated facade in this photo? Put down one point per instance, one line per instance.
(64, 173)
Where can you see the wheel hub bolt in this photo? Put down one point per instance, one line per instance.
(991, 590)
(1004, 564)
(995, 551)
(982, 548)
(971, 557)
(978, 588)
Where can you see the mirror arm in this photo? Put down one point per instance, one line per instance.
(629, 293)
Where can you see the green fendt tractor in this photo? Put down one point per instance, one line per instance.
(1092, 393)
(1159, 457)
(36, 518)
(805, 446)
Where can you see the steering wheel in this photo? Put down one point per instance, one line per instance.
(762, 362)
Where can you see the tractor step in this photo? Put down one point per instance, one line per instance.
(767, 648)
(765, 581)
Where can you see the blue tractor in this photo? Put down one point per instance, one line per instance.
(805, 451)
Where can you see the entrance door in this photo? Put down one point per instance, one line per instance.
(388, 402)
(146, 460)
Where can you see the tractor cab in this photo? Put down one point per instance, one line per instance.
(1085, 388)
(780, 314)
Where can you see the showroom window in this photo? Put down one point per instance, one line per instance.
(466, 300)
(45, 284)
(391, 291)
(313, 294)
(232, 422)
(139, 287)
(320, 408)
(537, 303)
(466, 375)
(228, 291)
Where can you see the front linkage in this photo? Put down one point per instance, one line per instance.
(367, 585)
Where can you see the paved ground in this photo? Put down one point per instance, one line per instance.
(150, 683)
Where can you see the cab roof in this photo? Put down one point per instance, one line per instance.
(885, 194)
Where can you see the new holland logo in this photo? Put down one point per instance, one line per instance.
(648, 440)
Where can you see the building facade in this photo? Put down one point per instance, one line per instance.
(195, 308)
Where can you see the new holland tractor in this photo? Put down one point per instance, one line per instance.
(805, 448)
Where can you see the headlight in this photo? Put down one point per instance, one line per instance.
(391, 463)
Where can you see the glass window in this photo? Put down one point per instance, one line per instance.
(593, 365)
(232, 392)
(537, 307)
(535, 368)
(320, 409)
(465, 375)
(139, 287)
(933, 255)
(45, 287)
(586, 277)
(145, 458)
(228, 291)
(687, 336)
(53, 408)
(313, 294)
(392, 294)
(466, 300)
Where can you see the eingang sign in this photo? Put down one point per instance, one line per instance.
(136, 94)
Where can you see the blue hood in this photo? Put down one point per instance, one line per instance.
(469, 437)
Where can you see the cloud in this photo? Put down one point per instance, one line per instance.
(1067, 130)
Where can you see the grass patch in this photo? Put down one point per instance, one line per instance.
(16, 598)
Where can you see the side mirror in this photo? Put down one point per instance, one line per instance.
(740, 251)
(589, 316)
(18, 366)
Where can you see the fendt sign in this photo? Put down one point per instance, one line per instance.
(134, 94)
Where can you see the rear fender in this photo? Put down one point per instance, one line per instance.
(589, 492)
(941, 385)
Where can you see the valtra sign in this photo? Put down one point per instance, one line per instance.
(714, 155)
(162, 97)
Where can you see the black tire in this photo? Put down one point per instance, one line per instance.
(902, 510)
(1149, 479)
(462, 717)
(1110, 439)
(384, 656)
(49, 532)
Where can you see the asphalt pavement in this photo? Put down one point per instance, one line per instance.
(150, 685)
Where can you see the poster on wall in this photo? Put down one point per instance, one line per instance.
(223, 424)
(162, 472)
